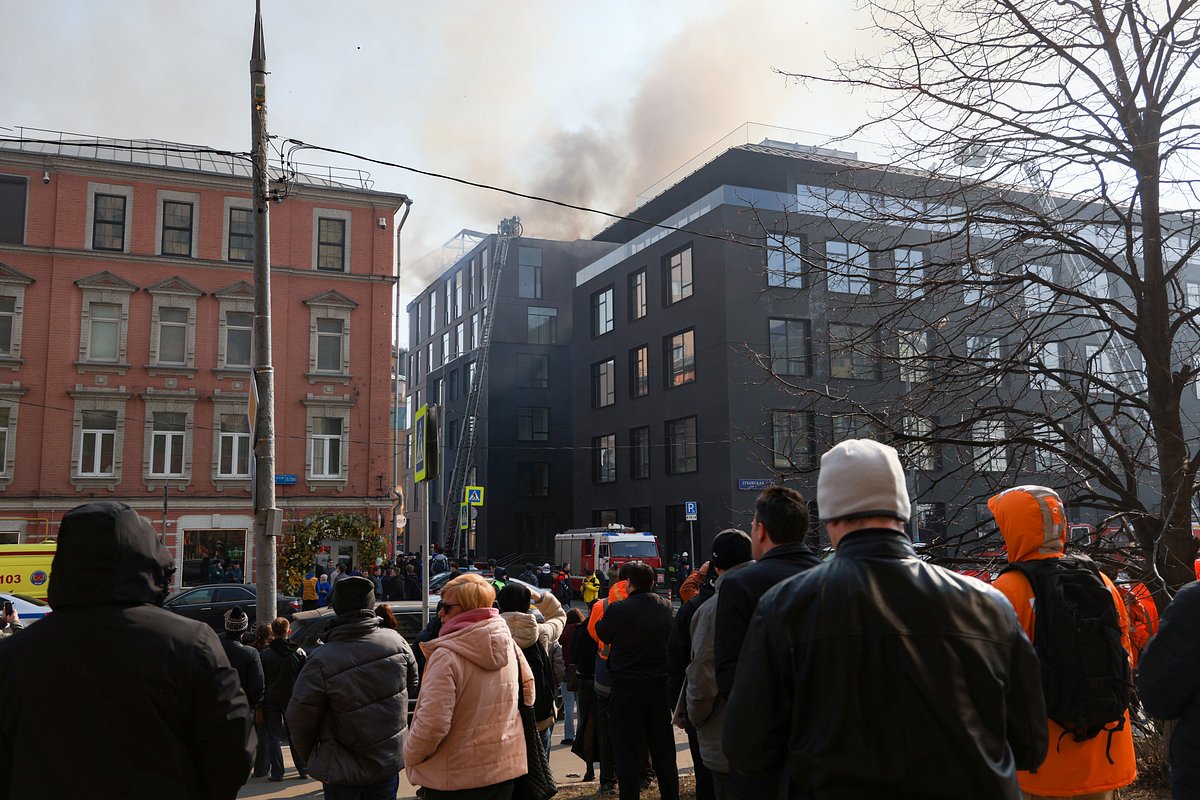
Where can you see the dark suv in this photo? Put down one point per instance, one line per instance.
(308, 626)
(209, 603)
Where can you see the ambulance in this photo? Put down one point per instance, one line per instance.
(25, 568)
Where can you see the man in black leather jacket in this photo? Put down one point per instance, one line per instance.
(878, 675)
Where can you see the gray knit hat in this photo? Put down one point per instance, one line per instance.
(862, 478)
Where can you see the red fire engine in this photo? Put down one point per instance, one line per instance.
(605, 549)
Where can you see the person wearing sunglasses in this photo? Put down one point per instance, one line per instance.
(466, 735)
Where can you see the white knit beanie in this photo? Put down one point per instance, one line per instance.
(862, 478)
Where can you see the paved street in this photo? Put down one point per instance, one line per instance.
(567, 769)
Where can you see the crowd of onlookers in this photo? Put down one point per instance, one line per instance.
(870, 674)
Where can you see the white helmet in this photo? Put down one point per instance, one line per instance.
(685, 555)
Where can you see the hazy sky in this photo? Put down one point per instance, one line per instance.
(585, 102)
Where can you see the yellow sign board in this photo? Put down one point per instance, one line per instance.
(473, 495)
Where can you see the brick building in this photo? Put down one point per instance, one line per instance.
(126, 311)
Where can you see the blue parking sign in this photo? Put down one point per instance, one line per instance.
(691, 510)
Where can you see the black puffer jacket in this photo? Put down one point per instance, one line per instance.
(349, 707)
(1169, 685)
(110, 674)
(245, 660)
(854, 673)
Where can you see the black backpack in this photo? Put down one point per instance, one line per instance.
(1077, 635)
(545, 689)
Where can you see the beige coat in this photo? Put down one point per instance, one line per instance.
(466, 732)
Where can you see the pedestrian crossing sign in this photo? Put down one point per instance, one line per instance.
(473, 495)
(464, 516)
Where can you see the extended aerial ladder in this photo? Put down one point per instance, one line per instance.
(464, 457)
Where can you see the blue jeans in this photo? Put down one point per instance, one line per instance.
(276, 729)
(568, 712)
(383, 790)
(547, 739)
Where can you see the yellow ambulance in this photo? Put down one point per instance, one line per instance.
(25, 568)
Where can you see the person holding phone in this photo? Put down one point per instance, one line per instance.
(10, 623)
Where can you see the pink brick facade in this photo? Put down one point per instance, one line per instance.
(151, 344)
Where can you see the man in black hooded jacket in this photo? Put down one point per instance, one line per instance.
(156, 687)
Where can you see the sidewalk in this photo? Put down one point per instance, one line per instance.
(567, 770)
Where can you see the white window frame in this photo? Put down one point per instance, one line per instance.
(1046, 356)
(12, 284)
(165, 401)
(10, 399)
(98, 399)
(332, 213)
(329, 305)
(321, 407)
(238, 298)
(173, 293)
(105, 288)
(192, 199)
(232, 405)
(913, 353)
(922, 455)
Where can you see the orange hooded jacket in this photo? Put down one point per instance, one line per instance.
(1033, 522)
(618, 591)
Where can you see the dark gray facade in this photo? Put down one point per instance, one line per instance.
(522, 455)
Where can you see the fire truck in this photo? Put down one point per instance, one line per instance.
(606, 549)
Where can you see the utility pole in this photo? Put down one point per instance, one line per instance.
(266, 515)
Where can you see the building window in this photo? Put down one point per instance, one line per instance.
(979, 282)
(990, 457)
(104, 332)
(176, 228)
(913, 351)
(784, 261)
(910, 273)
(327, 447)
(529, 268)
(446, 344)
(241, 234)
(854, 426)
(637, 295)
(929, 522)
(533, 371)
(13, 192)
(639, 453)
(604, 384)
(681, 355)
(98, 444)
(533, 479)
(1191, 294)
(602, 312)
(8, 317)
(792, 439)
(239, 338)
(533, 424)
(5, 438)
(234, 446)
(604, 458)
(922, 453)
(331, 244)
(172, 335)
(542, 325)
(791, 346)
(639, 518)
(433, 304)
(329, 345)
(849, 268)
(639, 371)
(1039, 289)
(108, 222)
(455, 295)
(851, 353)
(484, 258)
(682, 446)
(1044, 366)
(985, 352)
(460, 338)
(678, 268)
(166, 459)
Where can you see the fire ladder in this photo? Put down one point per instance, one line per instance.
(508, 230)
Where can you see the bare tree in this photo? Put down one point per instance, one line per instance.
(1023, 268)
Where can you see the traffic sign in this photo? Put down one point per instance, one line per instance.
(691, 510)
(464, 516)
(473, 495)
(753, 484)
(425, 444)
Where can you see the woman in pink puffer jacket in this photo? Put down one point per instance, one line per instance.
(466, 728)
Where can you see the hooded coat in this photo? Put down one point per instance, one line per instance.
(466, 732)
(1033, 523)
(349, 706)
(154, 684)
(526, 630)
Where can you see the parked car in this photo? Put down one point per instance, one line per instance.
(29, 609)
(442, 578)
(308, 627)
(209, 603)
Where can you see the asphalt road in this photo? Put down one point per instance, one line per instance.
(567, 769)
